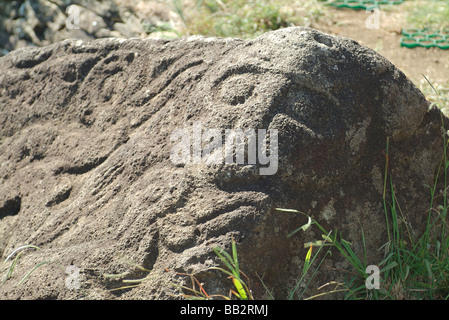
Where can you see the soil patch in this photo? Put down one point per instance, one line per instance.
(432, 62)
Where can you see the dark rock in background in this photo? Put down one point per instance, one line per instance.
(42, 22)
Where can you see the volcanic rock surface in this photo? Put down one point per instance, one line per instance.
(87, 173)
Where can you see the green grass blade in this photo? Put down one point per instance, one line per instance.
(124, 288)
(389, 267)
(31, 271)
(19, 249)
(235, 258)
(352, 257)
(429, 269)
(238, 285)
(13, 265)
(226, 258)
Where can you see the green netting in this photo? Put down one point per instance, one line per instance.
(359, 4)
(413, 38)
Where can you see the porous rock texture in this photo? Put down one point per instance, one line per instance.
(86, 173)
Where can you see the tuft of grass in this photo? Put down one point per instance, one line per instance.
(421, 269)
(309, 260)
(436, 92)
(197, 294)
(233, 270)
(411, 268)
(17, 253)
(429, 14)
(414, 268)
(128, 283)
(231, 262)
(353, 286)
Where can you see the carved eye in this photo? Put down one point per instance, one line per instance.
(236, 89)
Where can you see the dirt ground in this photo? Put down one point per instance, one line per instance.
(432, 62)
